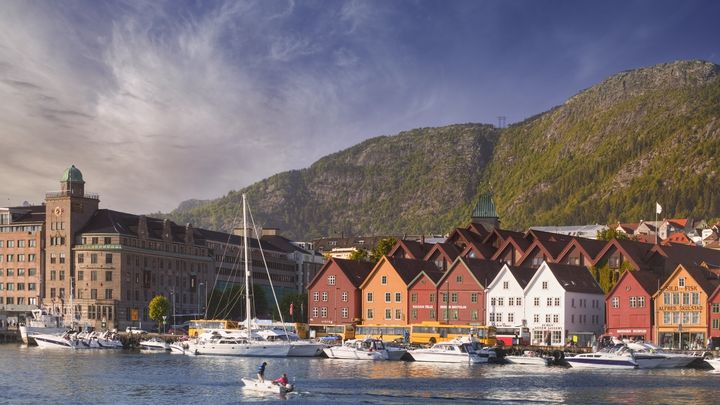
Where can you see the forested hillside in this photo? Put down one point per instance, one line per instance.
(608, 153)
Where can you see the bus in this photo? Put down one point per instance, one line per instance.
(384, 332)
(518, 335)
(344, 332)
(433, 332)
(198, 326)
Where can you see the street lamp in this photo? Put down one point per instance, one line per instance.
(198, 298)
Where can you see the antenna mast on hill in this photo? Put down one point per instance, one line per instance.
(501, 121)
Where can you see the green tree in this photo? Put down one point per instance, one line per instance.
(298, 301)
(610, 234)
(359, 255)
(383, 247)
(159, 306)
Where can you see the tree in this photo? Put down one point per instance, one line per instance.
(158, 308)
(610, 234)
(298, 302)
(359, 255)
(383, 247)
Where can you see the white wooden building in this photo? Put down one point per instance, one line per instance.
(505, 297)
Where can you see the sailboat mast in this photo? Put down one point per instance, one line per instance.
(247, 267)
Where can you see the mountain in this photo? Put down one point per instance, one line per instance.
(608, 153)
(418, 181)
(614, 150)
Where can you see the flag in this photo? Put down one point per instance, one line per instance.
(292, 306)
(658, 208)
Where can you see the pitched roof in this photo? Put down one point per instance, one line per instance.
(689, 255)
(417, 250)
(575, 278)
(534, 234)
(706, 279)
(449, 250)
(27, 214)
(484, 271)
(407, 269)
(520, 245)
(634, 251)
(523, 275)
(356, 271)
(433, 275)
(590, 247)
(485, 251)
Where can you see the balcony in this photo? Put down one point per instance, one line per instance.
(68, 193)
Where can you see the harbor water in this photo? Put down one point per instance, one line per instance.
(30, 375)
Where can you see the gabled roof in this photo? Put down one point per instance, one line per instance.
(589, 247)
(678, 238)
(502, 235)
(433, 275)
(688, 255)
(522, 275)
(634, 251)
(519, 245)
(628, 228)
(550, 249)
(407, 269)
(534, 234)
(648, 280)
(483, 271)
(482, 250)
(464, 235)
(415, 249)
(706, 279)
(447, 250)
(679, 222)
(574, 278)
(356, 271)
(478, 230)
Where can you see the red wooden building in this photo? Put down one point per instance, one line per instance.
(629, 307)
(334, 294)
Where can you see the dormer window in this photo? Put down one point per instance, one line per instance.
(681, 282)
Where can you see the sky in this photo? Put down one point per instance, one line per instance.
(157, 102)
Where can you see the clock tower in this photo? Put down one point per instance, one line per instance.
(66, 212)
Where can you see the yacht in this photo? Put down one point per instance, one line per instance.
(610, 360)
(448, 352)
(154, 345)
(669, 359)
(530, 358)
(356, 349)
(298, 347)
(61, 341)
(42, 321)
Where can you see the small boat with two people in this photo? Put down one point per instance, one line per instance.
(278, 386)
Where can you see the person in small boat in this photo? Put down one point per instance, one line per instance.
(261, 372)
(283, 380)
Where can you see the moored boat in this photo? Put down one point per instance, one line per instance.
(610, 360)
(530, 358)
(357, 349)
(154, 344)
(448, 352)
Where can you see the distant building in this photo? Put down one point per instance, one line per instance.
(581, 231)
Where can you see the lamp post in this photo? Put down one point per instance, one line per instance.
(198, 298)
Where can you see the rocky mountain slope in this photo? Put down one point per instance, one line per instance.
(608, 153)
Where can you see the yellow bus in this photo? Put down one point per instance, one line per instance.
(198, 326)
(433, 332)
(344, 332)
(389, 333)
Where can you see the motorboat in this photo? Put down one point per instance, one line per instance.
(448, 352)
(604, 359)
(298, 347)
(61, 341)
(669, 359)
(714, 363)
(154, 344)
(42, 321)
(530, 358)
(269, 387)
(358, 349)
(395, 353)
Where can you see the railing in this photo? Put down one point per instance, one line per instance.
(68, 193)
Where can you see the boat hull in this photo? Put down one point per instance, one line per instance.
(438, 357)
(266, 386)
(618, 364)
(340, 352)
(241, 349)
(305, 349)
(530, 360)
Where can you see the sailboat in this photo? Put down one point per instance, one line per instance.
(225, 342)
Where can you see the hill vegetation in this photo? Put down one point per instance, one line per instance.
(608, 153)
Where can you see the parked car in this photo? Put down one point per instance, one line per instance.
(134, 330)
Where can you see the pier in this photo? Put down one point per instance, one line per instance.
(9, 336)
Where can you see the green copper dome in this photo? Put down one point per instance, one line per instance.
(485, 207)
(73, 175)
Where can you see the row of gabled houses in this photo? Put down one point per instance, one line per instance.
(452, 282)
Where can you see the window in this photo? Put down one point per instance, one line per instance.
(681, 282)
(474, 297)
(53, 258)
(676, 298)
(32, 286)
(370, 313)
(323, 312)
(432, 298)
(383, 280)
(93, 293)
(474, 315)
(108, 240)
(325, 296)
(666, 298)
(93, 258)
(536, 301)
(387, 297)
(315, 312)
(62, 275)
(547, 318)
(536, 318)
(370, 299)
(696, 298)
(344, 296)
(616, 302)
(413, 297)
(331, 280)
(53, 275)
(454, 298)
(108, 293)
(398, 297)
(31, 257)
(316, 297)
(432, 314)
(21, 272)
(344, 313)
(493, 301)
(62, 258)
(716, 323)
(506, 285)
(556, 318)
(108, 258)
(444, 298)
(544, 285)
(716, 308)
(641, 302)
(388, 313)
(81, 258)
(93, 275)
(557, 301)
(94, 240)
(108, 276)
(633, 302)
(549, 301)
(398, 314)
(686, 298)
(518, 300)
(458, 279)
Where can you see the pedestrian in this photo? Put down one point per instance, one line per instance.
(261, 372)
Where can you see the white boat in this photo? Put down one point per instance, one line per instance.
(226, 342)
(448, 352)
(609, 360)
(42, 321)
(530, 358)
(266, 386)
(298, 347)
(395, 353)
(714, 363)
(357, 349)
(59, 341)
(670, 359)
(154, 344)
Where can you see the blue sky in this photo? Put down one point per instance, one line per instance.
(158, 102)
